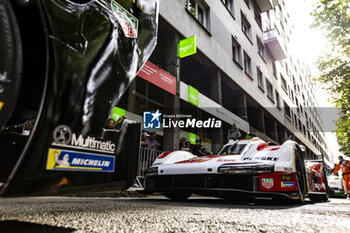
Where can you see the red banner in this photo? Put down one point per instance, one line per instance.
(158, 77)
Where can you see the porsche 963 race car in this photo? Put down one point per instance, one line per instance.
(244, 168)
(336, 186)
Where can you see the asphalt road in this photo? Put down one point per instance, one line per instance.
(158, 214)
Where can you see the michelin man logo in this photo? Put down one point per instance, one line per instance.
(64, 162)
(151, 120)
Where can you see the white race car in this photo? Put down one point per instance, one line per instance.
(336, 186)
(245, 168)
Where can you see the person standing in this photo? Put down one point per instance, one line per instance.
(144, 138)
(182, 143)
(152, 142)
(344, 166)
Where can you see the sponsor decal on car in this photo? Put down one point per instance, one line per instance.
(198, 160)
(63, 137)
(129, 23)
(267, 183)
(285, 184)
(64, 160)
(221, 160)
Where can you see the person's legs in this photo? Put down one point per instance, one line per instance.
(347, 184)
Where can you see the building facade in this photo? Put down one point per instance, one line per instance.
(243, 70)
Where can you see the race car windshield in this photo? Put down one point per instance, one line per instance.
(234, 149)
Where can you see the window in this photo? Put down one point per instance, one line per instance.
(278, 102)
(198, 10)
(260, 79)
(268, 20)
(287, 110)
(246, 27)
(261, 47)
(229, 5)
(236, 51)
(292, 96)
(295, 120)
(247, 65)
(274, 69)
(257, 15)
(200, 15)
(297, 103)
(269, 89)
(284, 84)
(191, 6)
(147, 96)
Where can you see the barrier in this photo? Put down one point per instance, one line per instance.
(146, 158)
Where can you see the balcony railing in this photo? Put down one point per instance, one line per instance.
(274, 44)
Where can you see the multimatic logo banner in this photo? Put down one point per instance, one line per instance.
(65, 160)
(63, 137)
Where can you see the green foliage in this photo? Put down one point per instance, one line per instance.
(333, 16)
(343, 134)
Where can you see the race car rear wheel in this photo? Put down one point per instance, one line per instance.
(178, 196)
(10, 62)
(318, 197)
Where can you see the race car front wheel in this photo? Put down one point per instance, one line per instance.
(10, 61)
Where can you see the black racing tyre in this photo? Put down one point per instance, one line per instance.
(301, 190)
(319, 197)
(10, 61)
(178, 196)
(300, 177)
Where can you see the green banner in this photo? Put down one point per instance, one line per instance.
(116, 113)
(192, 138)
(187, 47)
(193, 95)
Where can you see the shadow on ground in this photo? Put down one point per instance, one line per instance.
(229, 203)
(14, 226)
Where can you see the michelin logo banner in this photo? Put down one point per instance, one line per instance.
(64, 160)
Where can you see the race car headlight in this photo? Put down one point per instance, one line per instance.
(152, 171)
(249, 169)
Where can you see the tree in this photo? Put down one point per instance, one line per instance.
(333, 17)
